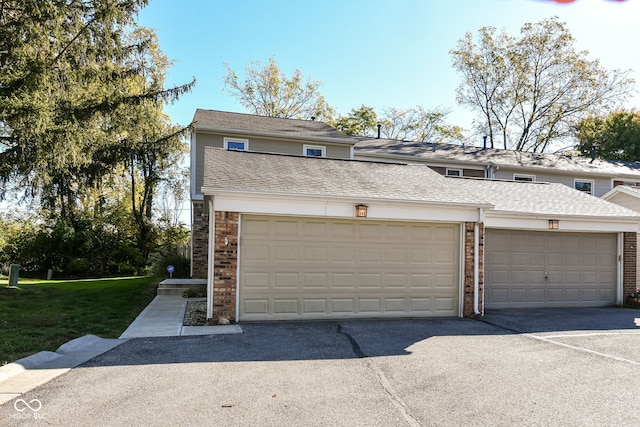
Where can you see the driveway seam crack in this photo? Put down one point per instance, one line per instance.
(397, 402)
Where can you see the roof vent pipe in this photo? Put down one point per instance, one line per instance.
(484, 142)
(594, 151)
(379, 126)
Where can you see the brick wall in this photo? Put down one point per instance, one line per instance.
(629, 264)
(469, 247)
(225, 265)
(199, 241)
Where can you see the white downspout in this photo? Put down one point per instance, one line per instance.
(476, 262)
(210, 250)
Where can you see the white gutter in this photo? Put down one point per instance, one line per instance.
(476, 262)
(210, 191)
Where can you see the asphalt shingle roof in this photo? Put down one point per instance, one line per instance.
(480, 156)
(284, 174)
(213, 120)
(541, 199)
(358, 180)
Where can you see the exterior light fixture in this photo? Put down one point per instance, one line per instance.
(554, 224)
(361, 211)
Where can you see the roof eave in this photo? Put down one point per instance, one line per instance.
(599, 218)
(214, 191)
(242, 132)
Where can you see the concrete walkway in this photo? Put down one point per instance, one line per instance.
(164, 317)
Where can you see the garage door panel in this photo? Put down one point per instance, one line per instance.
(285, 253)
(285, 228)
(315, 280)
(518, 258)
(315, 305)
(370, 255)
(370, 280)
(343, 268)
(258, 253)
(562, 269)
(283, 280)
(534, 259)
(342, 306)
(255, 307)
(256, 227)
(285, 306)
(258, 280)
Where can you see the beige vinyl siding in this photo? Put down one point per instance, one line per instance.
(316, 268)
(259, 144)
(626, 200)
(600, 185)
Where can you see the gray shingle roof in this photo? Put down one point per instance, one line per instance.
(283, 174)
(251, 124)
(359, 180)
(541, 199)
(480, 156)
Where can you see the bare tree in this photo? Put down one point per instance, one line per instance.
(532, 91)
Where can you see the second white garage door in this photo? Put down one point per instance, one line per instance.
(305, 268)
(549, 269)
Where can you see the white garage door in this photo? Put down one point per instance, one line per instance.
(295, 268)
(549, 269)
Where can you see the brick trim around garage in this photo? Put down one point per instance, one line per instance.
(199, 241)
(629, 264)
(469, 251)
(225, 265)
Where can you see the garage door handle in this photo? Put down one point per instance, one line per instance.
(546, 276)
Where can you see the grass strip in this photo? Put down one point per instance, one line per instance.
(42, 315)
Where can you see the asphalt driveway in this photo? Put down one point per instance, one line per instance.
(511, 368)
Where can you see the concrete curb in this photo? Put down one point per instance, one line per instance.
(210, 330)
(32, 371)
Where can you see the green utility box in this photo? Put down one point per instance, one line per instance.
(14, 272)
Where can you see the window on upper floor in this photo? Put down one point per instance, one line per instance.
(236, 144)
(454, 172)
(584, 185)
(314, 150)
(627, 183)
(524, 178)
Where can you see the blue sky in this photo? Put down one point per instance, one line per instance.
(392, 53)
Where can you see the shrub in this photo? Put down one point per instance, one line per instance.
(160, 261)
(80, 266)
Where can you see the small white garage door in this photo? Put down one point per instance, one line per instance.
(306, 268)
(549, 269)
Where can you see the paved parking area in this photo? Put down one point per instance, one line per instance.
(512, 368)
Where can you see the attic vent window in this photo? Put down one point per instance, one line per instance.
(236, 144)
(454, 172)
(314, 150)
(524, 178)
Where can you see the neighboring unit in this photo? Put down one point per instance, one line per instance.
(592, 176)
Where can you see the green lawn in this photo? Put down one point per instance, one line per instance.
(42, 315)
